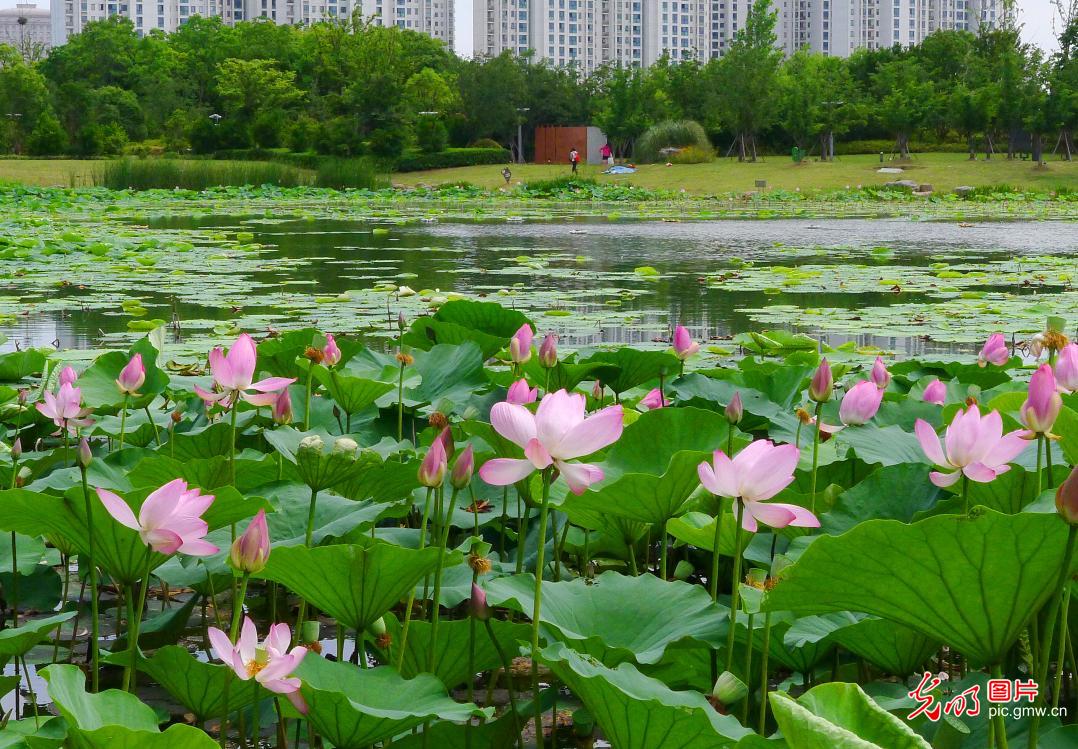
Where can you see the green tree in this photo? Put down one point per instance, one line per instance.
(249, 88)
(903, 95)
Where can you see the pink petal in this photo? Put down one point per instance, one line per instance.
(944, 479)
(221, 369)
(271, 384)
(719, 477)
(594, 433)
(776, 516)
(802, 518)
(161, 504)
(748, 522)
(162, 540)
(222, 647)
(981, 473)
(558, 413)
(537, 454)
(241, 359)
(120, 510)
(298, 702)
(770, 476)
(197, 547)
(192, 503)
(505, 471)
(930, 442)
(579, 476)
(248, 640)
(209, 397)
(260, 399)
(514, 422)
(1009, 447)
(279, 638)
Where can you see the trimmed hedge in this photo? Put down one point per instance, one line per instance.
(452, 157)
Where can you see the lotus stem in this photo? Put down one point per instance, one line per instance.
(411, 596)
(156, 432)
(735, 582)
(134, 624)
(123, 421)
(237, 608)
(1048, 461)
(1040, 449)
(965, 493)
(997, 719)
(307, 405)
(232, 454)
(400, 403)
(507, 666)
(94, 620)
(664, 551)
(307, 538)
(1062, 653)
(282, 730)
(544, 511)
(763, 675)
(436, 606)
(14, 583)
(1046, 643)
(748, 673)
(714, 581)
(815, 456)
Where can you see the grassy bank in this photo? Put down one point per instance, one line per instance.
(944, 171)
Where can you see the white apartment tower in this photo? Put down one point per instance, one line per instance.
(589, 33)
(26, 27)
(432, 17)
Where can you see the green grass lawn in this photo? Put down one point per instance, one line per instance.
(944, 171)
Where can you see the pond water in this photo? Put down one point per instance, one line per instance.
(908, 286)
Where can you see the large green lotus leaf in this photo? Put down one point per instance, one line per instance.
(278, 354)
(501, 733)
(627, 368)
(216, 439)
(16, 365)
(448, 372)
(1011, 492)
(426, 332)
(29, 551)
(208, 473)
(17, 641)
(98, 382)
(973, 582)
(389, 481)
(197, 685)
(640, 449)
(117, 549)
(647, 498)
(698, 529)
(892, 492)
(638, 712)
(894, 648)
(840, 716)
(32, 733)
(781, 382)
(694, 387)
(113, 719)
(565, 375)
(356, 707)
(888, 446)
(616, 618)
(352, 394)
(334, 517)
(355, 584)
(451, 657)
(487, 324)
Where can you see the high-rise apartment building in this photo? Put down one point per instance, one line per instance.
(26, 27)
(432, 17)
(589, 33)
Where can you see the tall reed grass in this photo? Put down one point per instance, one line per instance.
(195, 174)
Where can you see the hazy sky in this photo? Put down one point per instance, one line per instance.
(1036, 16)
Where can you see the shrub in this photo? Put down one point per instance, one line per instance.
(670, 134)
(486, 143)
(547, 188)
(194, 174)
(453, 157)
(266, 129)
(693, 155)
(358, 174)
(48, 138)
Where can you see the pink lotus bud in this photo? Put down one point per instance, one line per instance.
(132, 376)
(520, 394)
(402, 322)
(823, 383)
(860, 403)
(520, 345)
(16, 448)
(446, 438)
(1067, 368)
(331, 355)
(1043, 402)
(251, 550)
(597, 391)
(684, 345)
(548, 351)
(880, 376)
(1067, 498)
(24, 395)
(432, 469)
(935, 392)
(994, 351)
(67, 376)
(282, 408)
(461, 475)
(84, 455)
(735, 410)
(477, 604)
(654, 399)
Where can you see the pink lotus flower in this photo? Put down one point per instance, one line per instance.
(860, 403)
(935, 392)
(757, 474)
(1067, 498)
(233, 372)
(1043, 403)
(461, 475)
(973, 446)
(822, 383)
(169, 519)
(432, 470)
(520, 394)
(556, 433)
(282, 408)
(880, 376)
(270, 665)
(65, 408)
(548, 351)
(520, 345)
(1067, 368)
(250, 551)
(331, 355)
(653, 400)
(684, 345)
(994, 351)
(477, 604)
(132, 376)
(68, 376)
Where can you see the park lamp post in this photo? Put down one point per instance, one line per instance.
(216, 119)
(520, 133)
(830, 156)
